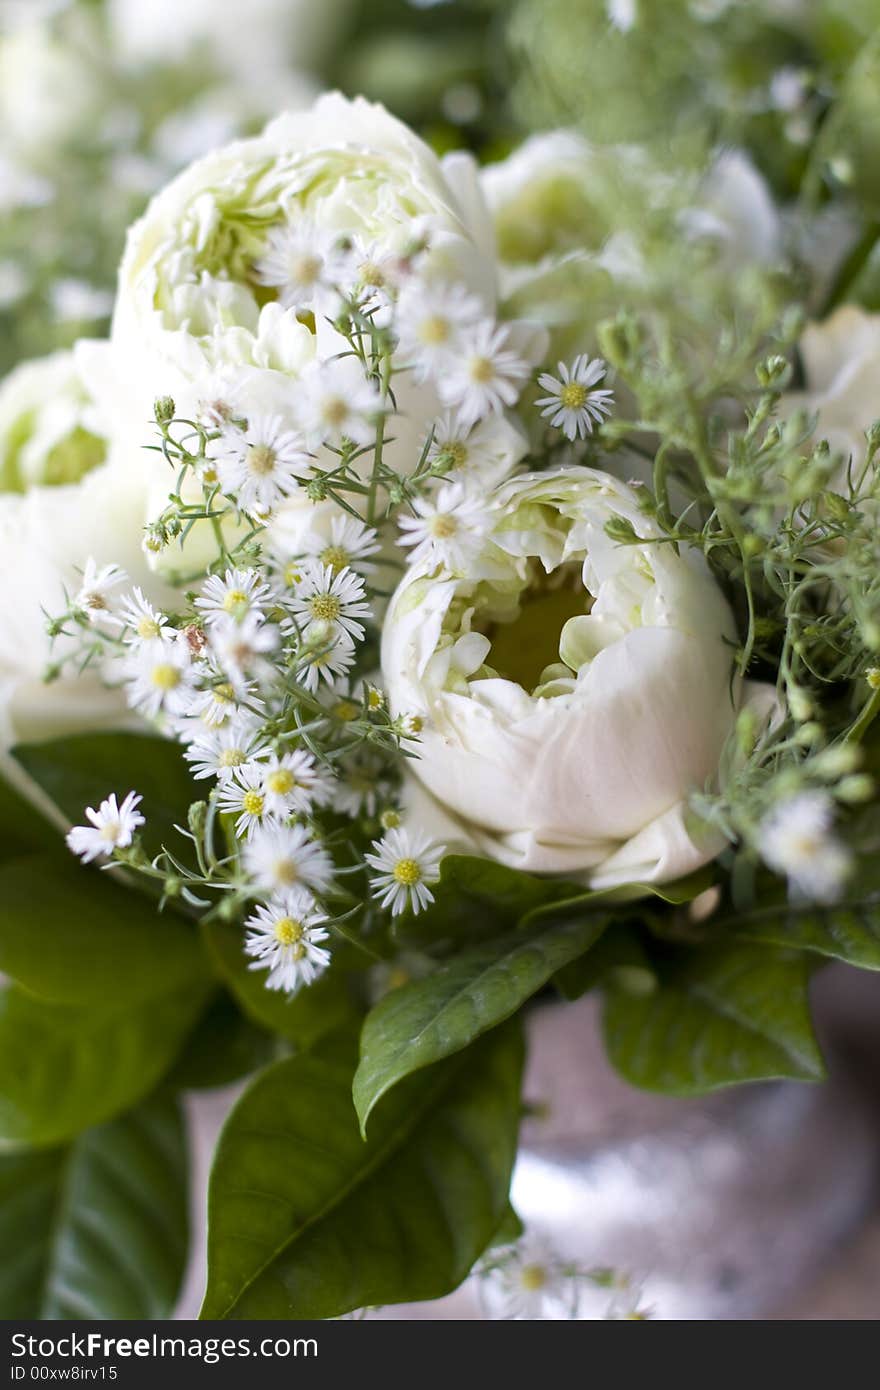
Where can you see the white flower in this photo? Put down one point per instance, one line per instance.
(218, 702)
(428, 320)
(299, 261)
(841, 358)
(796, 840)
(324, 655)
(160, 678)
(242, 795)
(241, 647)
(573, 696)
(279, 857)
(348, 546)
(217, 751)
(335, 600)
(404, 863)
(361, 787)
(239, 592)
(94, 595)
(285, 937)
(144, 622)
(447, 529)
(337, 402)
(574, 405)
(112, 827)
(294, 783)
(259, 464)
(486, 374)
(482, 455)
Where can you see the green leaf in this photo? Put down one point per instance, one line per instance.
(845, 931)
(307, 1221)
(64, 1069)
(477, 898)
(618, 957)
(81, 770)
(223, 1046)
(22, 829)
(76, 936)
(431, 1018)
(303, 1018)
(719, 1016)
(98, 1229)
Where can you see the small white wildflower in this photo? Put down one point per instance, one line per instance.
(260, 463)
(349, 547)
(429, 319)
(112, 827)
(370, 273)
(279, 857)
(485, 375)
(448, 527)
(242, 795)
(573, 404)
(405, 862)
(294, 782)
(335, 599)
(215, 704)
(217, 751)
(338, 402)
(241, 648)
(324, 655)
(143, 621)
(285, 938)
(238, 593)
(94, 596)
(796, 840)
(299, 261)
(160, 677)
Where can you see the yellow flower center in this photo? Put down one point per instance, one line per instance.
(334, 411)
(434, 330)
(371, 273)
(232, 757)
(288, 931)
(407, 872)
(375, 698)
(235, 601)
(346, 710)
(454, 454)
(336, 556)
(281, 781)
(147, 628)
(96, 601)
(443, 526)
(110, 831)
(305, 269)
(260, 459)
(286, 871)
(533, 1278)
(573, 395)
(252, 802)
(325, 607)
(209, 474)
(165, 676)
(481, 370)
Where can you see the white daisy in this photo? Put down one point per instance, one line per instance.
(405, 863)
(215, 704)
(370, 273)
(285, 938)
(336, 600)
(324, 655)
(217, 751)
(294, 782)
(796, 840)
(143, 621)
(94, 596)
(243, 796)
(160, 677)
(241, 648)
(486, 452)
(338, 402)
(299, 261)
(573, 405)
(448, 527)
(279, 857)
(485, 375)
(259, 463)
(239, 592)
(351, 543)
(429, 319)
(112, 827)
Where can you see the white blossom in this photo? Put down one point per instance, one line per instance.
(448, 528)
(404, 863)
(112, 827)
(337, 402)
(94, 596)
(285, 938)
(238, 592)
(796, 840)
(336, 600)
(573, 404)
(279, 857)
(259, 463)
(485, 375)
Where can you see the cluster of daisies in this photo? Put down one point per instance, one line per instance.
(265, 677)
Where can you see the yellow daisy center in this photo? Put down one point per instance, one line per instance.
(336, 556)
(235, 600)
(110, 831)
(434, 330)
(286, 871)
(334, 411)
(281, 781)
(573, 396)
(443, 526)
(165, 676)
(371, 273)
(346, 710)
(147, 628)
(260, 459)
(289, 931)
(231, 757)
(481, 370)
(325, 607)
(454, 454)
(305, 269)
(408, 872)
(252, 803)
(533, 1277)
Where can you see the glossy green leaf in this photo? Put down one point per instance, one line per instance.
(81, 770)
(421, 1022)
(619, 957)
(223, 1047)
(97, 1229)
(307, 1221)
(849, 932)
(64, 1069)
(22, 829)
(75, 936)
(719, 1016)
(302, 1018)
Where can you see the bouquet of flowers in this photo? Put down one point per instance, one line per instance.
(479, 619)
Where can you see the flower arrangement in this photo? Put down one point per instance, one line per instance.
(481, 618)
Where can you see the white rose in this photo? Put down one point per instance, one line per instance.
(574, 691)
(841, 361)
(62, 499)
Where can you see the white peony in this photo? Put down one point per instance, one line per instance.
(573, 690)
(62, 500)
(841, 361)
